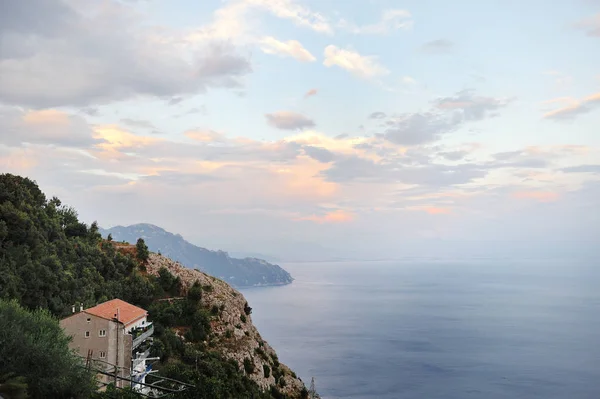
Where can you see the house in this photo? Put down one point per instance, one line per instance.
(115, 337)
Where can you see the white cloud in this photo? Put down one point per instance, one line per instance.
(291, 48)
(408, 81)
(390, 20)
(353, 62)
(300, 15)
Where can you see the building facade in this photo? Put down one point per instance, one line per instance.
(114, 336)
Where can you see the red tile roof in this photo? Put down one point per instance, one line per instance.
(108, 310)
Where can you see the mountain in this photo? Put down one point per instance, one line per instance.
(237, 272)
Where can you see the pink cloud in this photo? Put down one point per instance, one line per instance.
(310, 93)
(338, 216)
(541, 196)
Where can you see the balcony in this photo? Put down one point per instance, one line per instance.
(140, 335)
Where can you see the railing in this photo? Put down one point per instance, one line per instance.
(142, 337)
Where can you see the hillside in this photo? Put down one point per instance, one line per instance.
(203, 329)
(237, 272)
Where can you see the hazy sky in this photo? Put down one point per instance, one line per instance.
(354, 125)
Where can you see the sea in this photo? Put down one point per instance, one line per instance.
(438, 329)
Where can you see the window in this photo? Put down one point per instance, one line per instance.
(89, 319)
(102, 333)
(102, 354)
(87, 334)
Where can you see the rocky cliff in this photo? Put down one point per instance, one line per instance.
(232, 331)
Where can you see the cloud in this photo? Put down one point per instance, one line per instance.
(137, 123)
(310, 93)
(318, 153)
(205, 136)
(439, 46)
(582, 169)
(541, 196)
(175, 100)
(447, 115)
(48, 127)
(433, 210)
(291, 48)
(591, 26)
(59, 62)
(338, 216)
(391, 20)
(391, 171)
(573, 107)
(419, 128)
(473, 107)
(353, 62)
(288, 120)
(454, 155)
(300, 15)
(408, 81)
(377, 115)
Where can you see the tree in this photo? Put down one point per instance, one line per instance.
(13, 387)
(142, 250)
(35, 348)
(109, 238)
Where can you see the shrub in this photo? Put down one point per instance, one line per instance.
(248, 366)
(243, 318)
(247, 309)
(195, 292)
(282, 381)
(214, 310)
(238, 326)
(266, 370)
(228, 334)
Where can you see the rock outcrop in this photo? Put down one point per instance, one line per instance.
(232, 332)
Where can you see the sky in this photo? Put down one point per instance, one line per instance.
(348, 128)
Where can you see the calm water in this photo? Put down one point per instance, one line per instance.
(426, 330)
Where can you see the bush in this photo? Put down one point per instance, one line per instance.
(243, 318)
(195, 292)
(228, 334)
(35, 349)
(247, 309)
(266, 370)
(248, 366)
(282, 381)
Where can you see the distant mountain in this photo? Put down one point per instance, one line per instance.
(237, 272)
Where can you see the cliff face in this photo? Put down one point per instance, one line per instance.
(237, 272)
(232, 331)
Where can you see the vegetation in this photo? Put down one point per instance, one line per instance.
(142, 250)
(49, 260)
(35, 356)
(266, 370)
(248, 365)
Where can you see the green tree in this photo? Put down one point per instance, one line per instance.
(34, 347)
(13, 386)
(142, 250)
